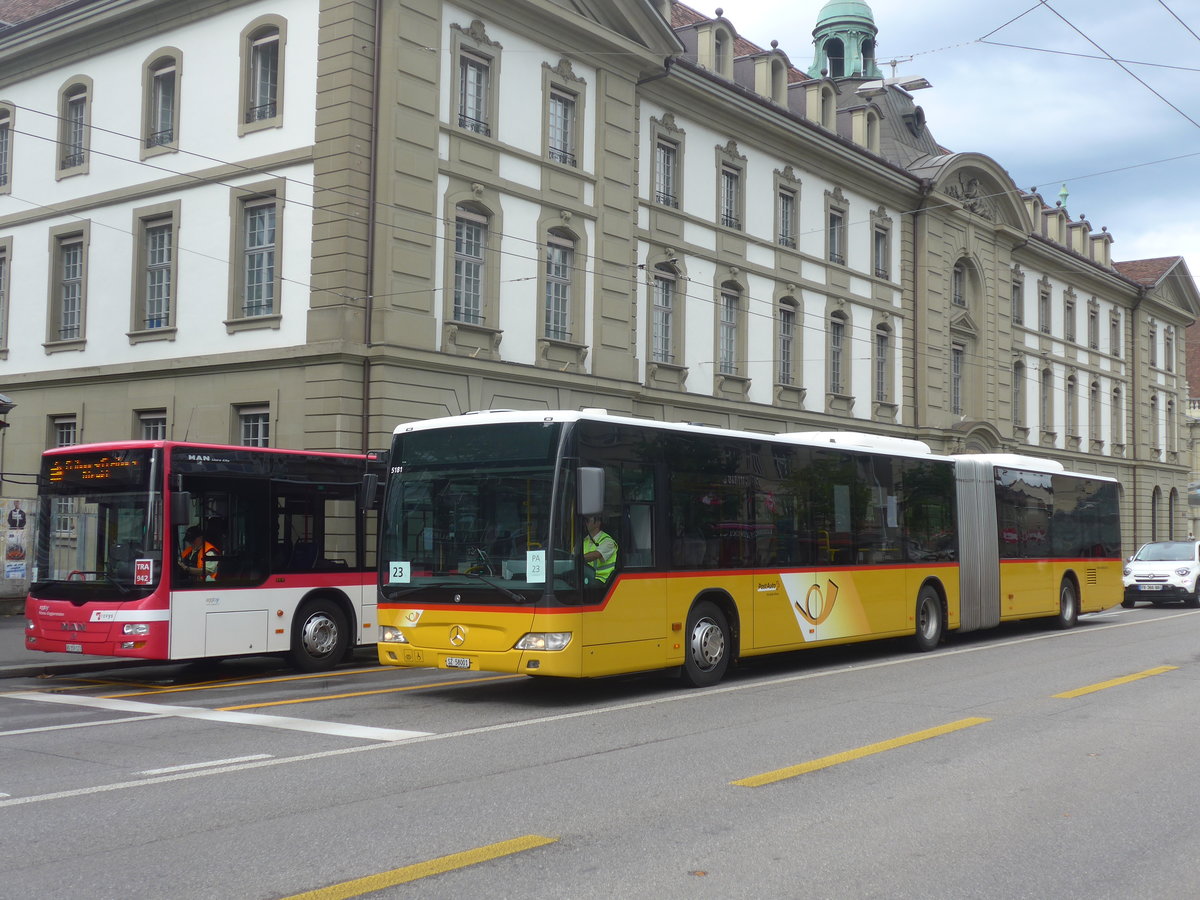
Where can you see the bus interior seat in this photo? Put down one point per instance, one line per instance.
(304, 555)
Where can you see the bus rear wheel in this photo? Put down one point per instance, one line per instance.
(1068, 606)
(930, 621)
(706, 656)
(319, 636)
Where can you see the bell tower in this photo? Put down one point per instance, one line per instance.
(845, 41)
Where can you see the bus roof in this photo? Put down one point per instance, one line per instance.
(849, 439)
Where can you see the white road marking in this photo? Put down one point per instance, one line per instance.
(205, 765)
(312, 726)
(77, 724)
(680, 697)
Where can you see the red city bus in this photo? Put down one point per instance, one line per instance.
(287, 540)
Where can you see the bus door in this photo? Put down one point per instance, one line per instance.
(220, 616)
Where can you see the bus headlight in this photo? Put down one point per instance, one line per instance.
(138, 628)
(390, 634)
(544, 640)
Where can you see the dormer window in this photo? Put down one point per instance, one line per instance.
(722, 52)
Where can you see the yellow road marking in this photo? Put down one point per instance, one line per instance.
(234, 682)
(1092, 688)
(359, 886)
(395, 690)
(849, 755)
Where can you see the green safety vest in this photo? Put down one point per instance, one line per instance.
(603, 568)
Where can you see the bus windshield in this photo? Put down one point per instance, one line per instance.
(100, 526)
(472, 507)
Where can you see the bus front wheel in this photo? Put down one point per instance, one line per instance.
(929, 620)
(1068, 606)
(319, 636)
(709, 644)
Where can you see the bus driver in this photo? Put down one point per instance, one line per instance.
(599, 550)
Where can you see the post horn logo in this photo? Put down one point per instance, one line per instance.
(458, 635)
(817, 607)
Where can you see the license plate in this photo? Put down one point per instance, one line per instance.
(458, 662)
(74, 648)
(1151, 587)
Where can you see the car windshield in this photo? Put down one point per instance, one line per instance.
(1163, 551)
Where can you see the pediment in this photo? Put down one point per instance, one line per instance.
(963, 322)
(635, 20)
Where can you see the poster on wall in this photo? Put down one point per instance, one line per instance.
(17, 530)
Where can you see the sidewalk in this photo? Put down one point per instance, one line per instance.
(17, 662)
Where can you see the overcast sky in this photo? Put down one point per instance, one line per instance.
(1047, 118)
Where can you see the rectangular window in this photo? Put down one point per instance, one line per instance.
(837, 334)
(837, 237)
(787, 218)
(162, 107)
(4, 294)
(1044, 310)
(264, 77)
(470, 239)
(258, 284)
(1169, 350)
(5, 147)
(254, 426)
(70, 290)
(730, 197)
(882, 256)
(561, 128)
(958, 286)
(666, 157)
(787, 344)
(663, 320)
(1018, 303)
(1153, 346)
(474, 75)
(728, 335)
(159, 244)
(1114, 336)
(1093, 328)
(558, 290)
(881, 366)
(1069, 320)
(957, 353)
(63, 434)
(152, 426)
(1018, 395)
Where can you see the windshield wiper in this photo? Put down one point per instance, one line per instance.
(511, 595)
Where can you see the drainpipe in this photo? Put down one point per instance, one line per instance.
(919, 281)
(369, 299)
(657, 75)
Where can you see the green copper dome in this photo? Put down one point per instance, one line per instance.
(845, 11)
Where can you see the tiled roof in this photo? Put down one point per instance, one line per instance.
(13, 12)
(1147, 271)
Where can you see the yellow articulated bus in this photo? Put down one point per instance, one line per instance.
(583, 544)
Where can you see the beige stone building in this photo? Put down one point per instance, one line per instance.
(303, 222)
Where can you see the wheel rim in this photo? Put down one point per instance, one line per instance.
(1068, 603)
(319, 635)
(707, 644)
(927, 620)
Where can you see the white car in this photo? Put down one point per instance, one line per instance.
(1163, 571)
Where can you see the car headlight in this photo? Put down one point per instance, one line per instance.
(136, 628)
(1184, 571)
(544, 640)
(1126, 572)
(390, 634)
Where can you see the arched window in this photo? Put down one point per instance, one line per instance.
(1118, 417)
(1072, 406)
(262, 69)
(74, 126)
(838, 337)
(664, 313)
(835, 55)
(1094, 411)
(882, 363)
(470, 265)
(729, 328)
(723, 52)
(1046, 411)
(1155, 506)
(560, 280)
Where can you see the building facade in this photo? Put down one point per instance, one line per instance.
(303, 222)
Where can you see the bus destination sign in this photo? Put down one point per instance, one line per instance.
(126, 468)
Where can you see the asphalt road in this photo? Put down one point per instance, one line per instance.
(1020, 762)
